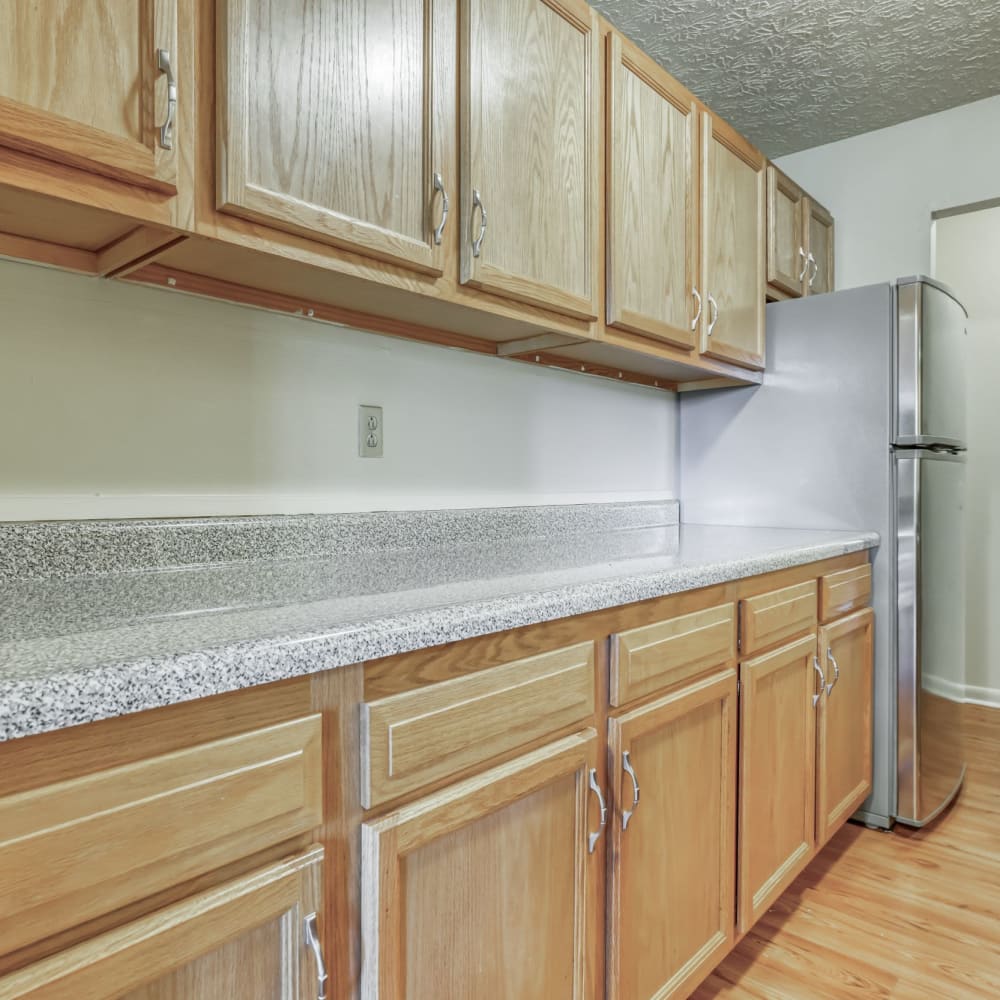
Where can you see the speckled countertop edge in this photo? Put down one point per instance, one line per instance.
(39, 704)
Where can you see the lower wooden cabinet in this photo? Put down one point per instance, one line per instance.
(778, 708)
(671, 898)
(486, 888)
(251, 938)
(844, 767)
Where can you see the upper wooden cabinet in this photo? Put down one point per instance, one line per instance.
(671, 897)
(732, 237)
(652, 230)
(530, 153)
(799, 240)
(787, 257)
(486, 888)
(88, 83)
(331, 121)
(820, 248)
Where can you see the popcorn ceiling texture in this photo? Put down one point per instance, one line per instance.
(792, 74)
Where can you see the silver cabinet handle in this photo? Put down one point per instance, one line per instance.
(477, 202)
(445, 208)
(822, 680)
(167, 128)
(714, 313)
(805, 263)
(596, 789)
(836, 671)
(312, 942)
(697, 315)
(630, 771)
(812, 260)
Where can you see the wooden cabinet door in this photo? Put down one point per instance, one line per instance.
(673, 844)
(332, 121)
(249, 938)
(787, 261)
(732, 238)
(844, 769)
(531, 144)
(485, 889)
(777, 773)
(81, 83)
(819, 236)
(652, 234)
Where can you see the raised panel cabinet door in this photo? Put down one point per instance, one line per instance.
(485, 889)
(255, 938)
(531, 142)
(673, 840)
(787, 258)
(334, 122)
(88, 83)
(779, 696)
(652, 153)
(844, 768)
(732, 241)
(820, 230)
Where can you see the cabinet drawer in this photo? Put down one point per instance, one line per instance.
(417, 737)
(81, 848)
(647, 659)
(777, 616)
(844, 592)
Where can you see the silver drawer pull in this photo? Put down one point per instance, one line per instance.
(313, 944)
(596, 789)
(815, 269)
(836, 671)
(167, 128)
(477, 202)
(697, 315)
(630, 771)
(445, 208)
(714, 306)
(805, 263)
(822, 680)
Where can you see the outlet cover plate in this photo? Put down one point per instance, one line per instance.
(370, 431)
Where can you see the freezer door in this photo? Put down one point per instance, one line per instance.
(930, 364)
(931, 631)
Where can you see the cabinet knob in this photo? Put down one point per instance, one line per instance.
(822, 680)
(805, 263)
(167, 128)
(697, 315)
(313, 944)
(630, 771)
(445, 208)
(713, 313)
(593, 838)
(477, 202)
(836, 667)
(811, 262)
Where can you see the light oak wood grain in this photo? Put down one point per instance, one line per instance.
(531, 145)
(462, 888)
(820, 236)
(777, 616)
(786, 238)
(79, 84)
(241, 939)
(651, 177)
(654, 657)
(671, 899)
(327, 122)
(844, 591)
(77, 849)
(418, 737)
(904, 916)
(777, 782)
(733, 244)
(844, 751)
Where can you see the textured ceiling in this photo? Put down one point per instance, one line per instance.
(790, 74)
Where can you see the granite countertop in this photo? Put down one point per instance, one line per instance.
(99, 619)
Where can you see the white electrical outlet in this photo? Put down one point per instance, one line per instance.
(370, 431)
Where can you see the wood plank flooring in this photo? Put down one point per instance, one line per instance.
(911, 915)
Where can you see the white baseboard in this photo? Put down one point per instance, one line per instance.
(967, 693)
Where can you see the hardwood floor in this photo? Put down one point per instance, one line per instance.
(912, 915)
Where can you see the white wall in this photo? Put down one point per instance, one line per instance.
(117, 400)
(967, 257)
(882, 186)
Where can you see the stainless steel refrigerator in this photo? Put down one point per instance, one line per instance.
(860, 424)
